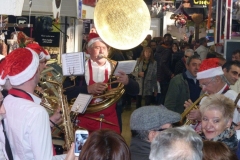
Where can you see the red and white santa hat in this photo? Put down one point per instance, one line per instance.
(92, 38)
(19, 66)
(42, 53)
(209, 68)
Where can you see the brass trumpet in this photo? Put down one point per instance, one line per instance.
(187, 110)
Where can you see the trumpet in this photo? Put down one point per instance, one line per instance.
(186, 112)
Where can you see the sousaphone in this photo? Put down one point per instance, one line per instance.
(122, 25)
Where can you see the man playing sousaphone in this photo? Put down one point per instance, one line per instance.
(97, 73)
(212, 81)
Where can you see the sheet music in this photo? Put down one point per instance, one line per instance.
(81, 103)
(238, 134)
(125, 66)
(73, 63)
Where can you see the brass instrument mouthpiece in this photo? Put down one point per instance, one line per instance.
(100, 56)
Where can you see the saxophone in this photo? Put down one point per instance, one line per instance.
(67, 123)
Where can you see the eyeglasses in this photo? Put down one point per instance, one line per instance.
(206, 84)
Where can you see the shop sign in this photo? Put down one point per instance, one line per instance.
(195, 3)
(200, 3)
(50, 39)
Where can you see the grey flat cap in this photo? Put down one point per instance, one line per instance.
(152, 117)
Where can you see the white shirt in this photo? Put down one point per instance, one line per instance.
(2, 154)
(98, 71)
(202, 51)
(28, 129)
(236, 86)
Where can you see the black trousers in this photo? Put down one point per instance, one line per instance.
(164, 88)
(147, 98)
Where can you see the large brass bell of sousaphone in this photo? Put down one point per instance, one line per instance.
(122, 24)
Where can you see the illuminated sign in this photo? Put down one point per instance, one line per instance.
(195, 3)
(201, 2)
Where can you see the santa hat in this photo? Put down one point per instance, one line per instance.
(19, 66)
(92, 38)
(42, 53)
(209, 68)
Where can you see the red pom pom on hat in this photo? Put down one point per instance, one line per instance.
(19, 66)
(209, 68)
(42, 53)
(92, 38)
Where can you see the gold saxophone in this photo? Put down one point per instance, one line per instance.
(67, 123)
(186, 121)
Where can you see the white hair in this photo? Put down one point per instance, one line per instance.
(177, 144)
(189, 51)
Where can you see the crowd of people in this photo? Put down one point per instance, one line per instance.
(167, 77)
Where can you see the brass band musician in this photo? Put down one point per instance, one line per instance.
(211, 80)
(97, 75)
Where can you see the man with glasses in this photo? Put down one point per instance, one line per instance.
(184, 86)
(180, 66)
(146, 123)
(212, 81)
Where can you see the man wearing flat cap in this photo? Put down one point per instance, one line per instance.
(146, 123)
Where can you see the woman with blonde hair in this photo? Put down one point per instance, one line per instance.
(146, 75)
(217, 115)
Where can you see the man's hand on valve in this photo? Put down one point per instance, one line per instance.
(122, 78)
(188, 103)
(56, 117)
(97, 88)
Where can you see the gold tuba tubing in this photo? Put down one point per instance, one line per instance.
(187, 110)
(111, 95)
